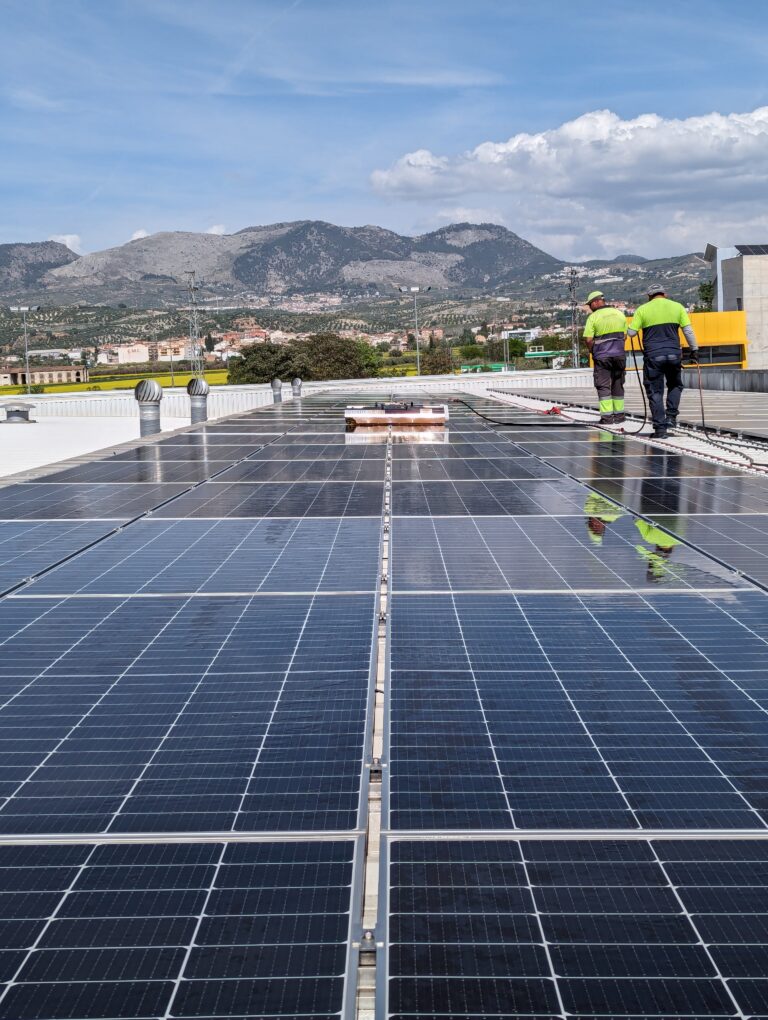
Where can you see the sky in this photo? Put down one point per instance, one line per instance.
(589, 129)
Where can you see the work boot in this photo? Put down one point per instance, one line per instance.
(619, 418)
(671, 423)
(606, 419)
(659, 432)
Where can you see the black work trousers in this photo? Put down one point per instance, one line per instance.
(609, 375)
(658, 370)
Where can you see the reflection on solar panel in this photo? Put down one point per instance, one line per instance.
(583, 928)
(191, 710)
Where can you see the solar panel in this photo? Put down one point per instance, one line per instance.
(488, 701)
(145, 471)
(28, 547)
(578, 928)
(244, 685)
(226, 556)
(554, 553)
(435, 499)
(45, 501)
(185, 930)
(672, 495)
(277, 499)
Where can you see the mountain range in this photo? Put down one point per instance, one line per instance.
(311, 256)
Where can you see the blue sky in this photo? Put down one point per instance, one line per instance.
(148, 115)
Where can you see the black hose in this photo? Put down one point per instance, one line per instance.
(644, 422)
(521, 424)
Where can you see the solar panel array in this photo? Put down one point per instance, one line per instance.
(573, 727)
(190, 671)
(576, 719)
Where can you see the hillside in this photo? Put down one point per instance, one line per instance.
(310, 256)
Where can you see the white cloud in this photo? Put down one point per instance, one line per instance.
(138, 234)
(599, 184)
(217, 228)
(31, 100)
(469, 214)
(72, 241)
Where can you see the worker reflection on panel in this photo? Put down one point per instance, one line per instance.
(600, 512)
(659, 492)
(658, 547)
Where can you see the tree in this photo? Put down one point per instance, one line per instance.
(706, 296)
(410, 343)
(330, 356)
(470, 351)
(209, 343)
(437, 361)
(467, 336)
(484, 329)
(261, 363)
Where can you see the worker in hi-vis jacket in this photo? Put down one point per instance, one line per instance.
(605, 333)
(661, 321)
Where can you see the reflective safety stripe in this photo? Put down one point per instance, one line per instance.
(618, 404)
(606, 406)
(605, 337)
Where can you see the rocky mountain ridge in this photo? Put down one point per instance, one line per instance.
(310, 256)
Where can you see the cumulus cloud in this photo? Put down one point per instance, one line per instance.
(598, 184)
(217, 228)
(138, 234)
(72, 241)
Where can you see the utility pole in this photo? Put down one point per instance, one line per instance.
(416, 291)
(572, 277)
(195, 349)
(24, 309)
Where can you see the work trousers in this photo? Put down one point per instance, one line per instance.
(609, 375)
(658, 370)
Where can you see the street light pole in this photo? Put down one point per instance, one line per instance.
(415, 291)
(24, 309)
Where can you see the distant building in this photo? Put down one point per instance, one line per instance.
(17, 376)
(124, 354)
(740, 276)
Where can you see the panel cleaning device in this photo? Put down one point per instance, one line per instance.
(396, 413)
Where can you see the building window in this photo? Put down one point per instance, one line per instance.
(739, 304)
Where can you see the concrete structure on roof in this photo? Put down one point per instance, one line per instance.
(740, 276)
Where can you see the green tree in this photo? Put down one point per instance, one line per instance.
(484, 329)
(330, 356)
(437, 360)
(467, 336)
(706, 296)
(471, 351)
(261, 363)
(209, 343)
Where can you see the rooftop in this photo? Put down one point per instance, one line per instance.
(498, 700)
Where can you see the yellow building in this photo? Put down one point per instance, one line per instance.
(722, 338)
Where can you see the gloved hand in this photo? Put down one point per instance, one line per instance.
(694, 356)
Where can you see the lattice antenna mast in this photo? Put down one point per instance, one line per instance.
(572, 277)
(195, 344)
